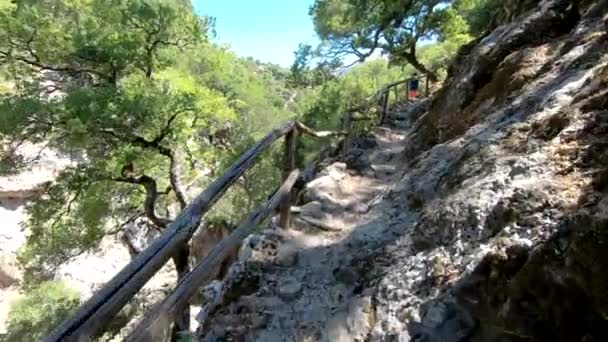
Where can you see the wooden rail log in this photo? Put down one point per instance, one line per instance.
(92, 317)
(396, 94)
(159, 319)
(396, 83)
(317, 134)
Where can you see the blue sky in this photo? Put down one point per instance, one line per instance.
(268, 30)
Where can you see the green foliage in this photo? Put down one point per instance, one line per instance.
(438, 56)
(255, 91)
(131, 90)
(478, 14)
(68, 219)
(394, 27)
(452, 24)
(255, 185)
(32, 317)
(105, 40)
(303, 75)
(123, 100)
(351, 90)
(301, 64)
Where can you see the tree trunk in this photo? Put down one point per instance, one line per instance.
(289, 164)
(175, 179)
(182, 256)
(413, 60)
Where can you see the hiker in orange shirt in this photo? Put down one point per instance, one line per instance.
(413, 86)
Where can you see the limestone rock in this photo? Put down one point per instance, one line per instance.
(326, 187)
(358, 161)
(289, 287)
(43, 165)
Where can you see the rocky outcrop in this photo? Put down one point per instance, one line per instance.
(501, 63)
(554, 292)
(504, 168)
(490, 226)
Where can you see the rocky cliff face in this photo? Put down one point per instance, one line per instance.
(478, 216)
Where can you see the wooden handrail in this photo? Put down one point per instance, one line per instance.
(160, 318)
(396, 83)
(317, 134)
(97, 312)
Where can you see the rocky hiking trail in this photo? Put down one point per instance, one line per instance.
(309, 282)
(479, 215)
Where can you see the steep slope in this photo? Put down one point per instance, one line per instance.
(490, 226)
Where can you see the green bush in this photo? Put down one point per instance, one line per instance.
(32, 317)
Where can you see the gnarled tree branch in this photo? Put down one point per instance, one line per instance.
(31, 58)
(152, 193)
(175, 179)
(172, 154)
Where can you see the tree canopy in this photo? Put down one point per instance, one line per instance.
(397, 28)
(99, 81)
(145, 104)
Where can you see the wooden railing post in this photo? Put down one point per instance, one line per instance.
(289, 165)
(427, 87)
(182, 266)
(346, 128)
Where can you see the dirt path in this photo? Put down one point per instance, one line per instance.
(307, 283)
